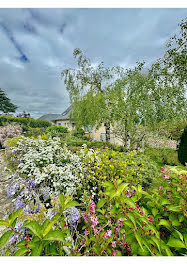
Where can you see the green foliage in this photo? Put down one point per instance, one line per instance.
(163, 156)
(182, 150)
(79, 133)
(46, 238)
(57, 131)
(35, 132)
(25, 122)
(5, 103)
(141, 225)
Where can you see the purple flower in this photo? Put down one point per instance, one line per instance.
(45, 194)
(31, 184)
(13, 238)
(74, 216)
(19, 203)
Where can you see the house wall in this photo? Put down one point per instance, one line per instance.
(65, 123)
(95, 134)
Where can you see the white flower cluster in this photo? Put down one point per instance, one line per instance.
(50, 165)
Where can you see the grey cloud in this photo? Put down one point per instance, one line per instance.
(47, 37)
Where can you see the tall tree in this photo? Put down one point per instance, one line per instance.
(5, 103)
(130, 102)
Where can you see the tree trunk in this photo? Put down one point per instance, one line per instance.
(107, 127)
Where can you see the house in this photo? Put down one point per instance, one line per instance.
(92, 133)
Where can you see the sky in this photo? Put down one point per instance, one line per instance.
(36, 45)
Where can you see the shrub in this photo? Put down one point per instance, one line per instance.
(57, 131)
(99, 166)
(35, 132)
(24, 122)
(79, 133)
(182, 150)
(38, 123)
(8, 132)
(163, 156)
(50, 166)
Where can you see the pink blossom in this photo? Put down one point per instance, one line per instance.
(86, 218)
(161, 188)
(82, 242)
(108, 233)
(86, 232)
(110, 206)
(92, 206)
(94, 220)
(132, 191)
(166, 176)
(168, 183)
(128, 193)
(163, 169)
(114, 252)
(106, 215)
(113, 243)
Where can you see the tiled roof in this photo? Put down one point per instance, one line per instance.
(49, 117)
(64, 115)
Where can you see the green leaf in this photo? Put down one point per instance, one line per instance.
(179, 235)
(61, 198)
(122, 187)
(157, 242)
(50, 225)
(174, 220)
(21, 251)
(139, 239)
(165, 223)
(37, 250)
(14, 215)
(55, 235)
(35, 228)
(176, 243)
(154, 211)
(45, 224)
(72, 203)
(164, 201)
(5, 237)
(173, 208)
(7, 253)
(21, 244)
(129, 202)
(4, 223)
(100, 203)
(108, 185)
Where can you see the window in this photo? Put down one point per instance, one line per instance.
(102, 137)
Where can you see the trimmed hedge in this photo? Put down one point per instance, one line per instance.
(24, 122)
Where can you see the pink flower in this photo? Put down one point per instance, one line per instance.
(82, 242)
(128, 193)
(92, 206)
(163, 169)
(106, 215)
(94, 220)
(168, 183)
(113, 243)
(86, 218)
(108, 233)
(86, 232)
(161, 188)
(166, 176)
(110, 206)
(114, 252)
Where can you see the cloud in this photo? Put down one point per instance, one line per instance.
(37, 44)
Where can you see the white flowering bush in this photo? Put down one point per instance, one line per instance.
(53, 168)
